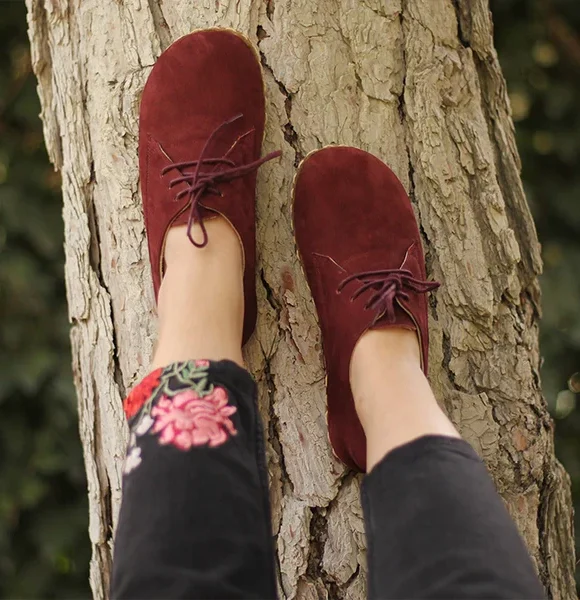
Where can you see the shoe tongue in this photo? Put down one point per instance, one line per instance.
(230, 143)
(187, 145)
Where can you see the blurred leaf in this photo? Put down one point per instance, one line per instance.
(44, 546)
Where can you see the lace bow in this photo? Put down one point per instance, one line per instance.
(204, 182)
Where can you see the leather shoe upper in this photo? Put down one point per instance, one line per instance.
(361, 250)
(200, 135)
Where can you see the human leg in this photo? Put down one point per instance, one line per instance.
(195, 520)
(436, 526)
(195, 517)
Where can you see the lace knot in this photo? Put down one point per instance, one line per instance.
(388, 285)
(199, 183)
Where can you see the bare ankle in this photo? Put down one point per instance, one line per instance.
(378, 348)
(224, 244)
(392, 396)
(398, 341)
(201, 298)
(381, 358)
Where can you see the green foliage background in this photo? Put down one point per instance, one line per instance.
(44, 547)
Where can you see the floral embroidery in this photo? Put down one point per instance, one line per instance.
(181, 407)
(133, 460)
(141, 393)
(144, 425)
(188, 419)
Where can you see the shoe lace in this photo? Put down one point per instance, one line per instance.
(388, 285)
(200, 182)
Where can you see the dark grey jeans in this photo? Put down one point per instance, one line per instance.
(195, 518)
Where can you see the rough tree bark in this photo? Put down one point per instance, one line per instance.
(416, 82)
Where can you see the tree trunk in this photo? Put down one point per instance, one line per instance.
(416, 82)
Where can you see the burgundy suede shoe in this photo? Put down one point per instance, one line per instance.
(361, 250)
(200, 136)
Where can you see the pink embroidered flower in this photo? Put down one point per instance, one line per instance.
(202, 363)
(188, 420)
